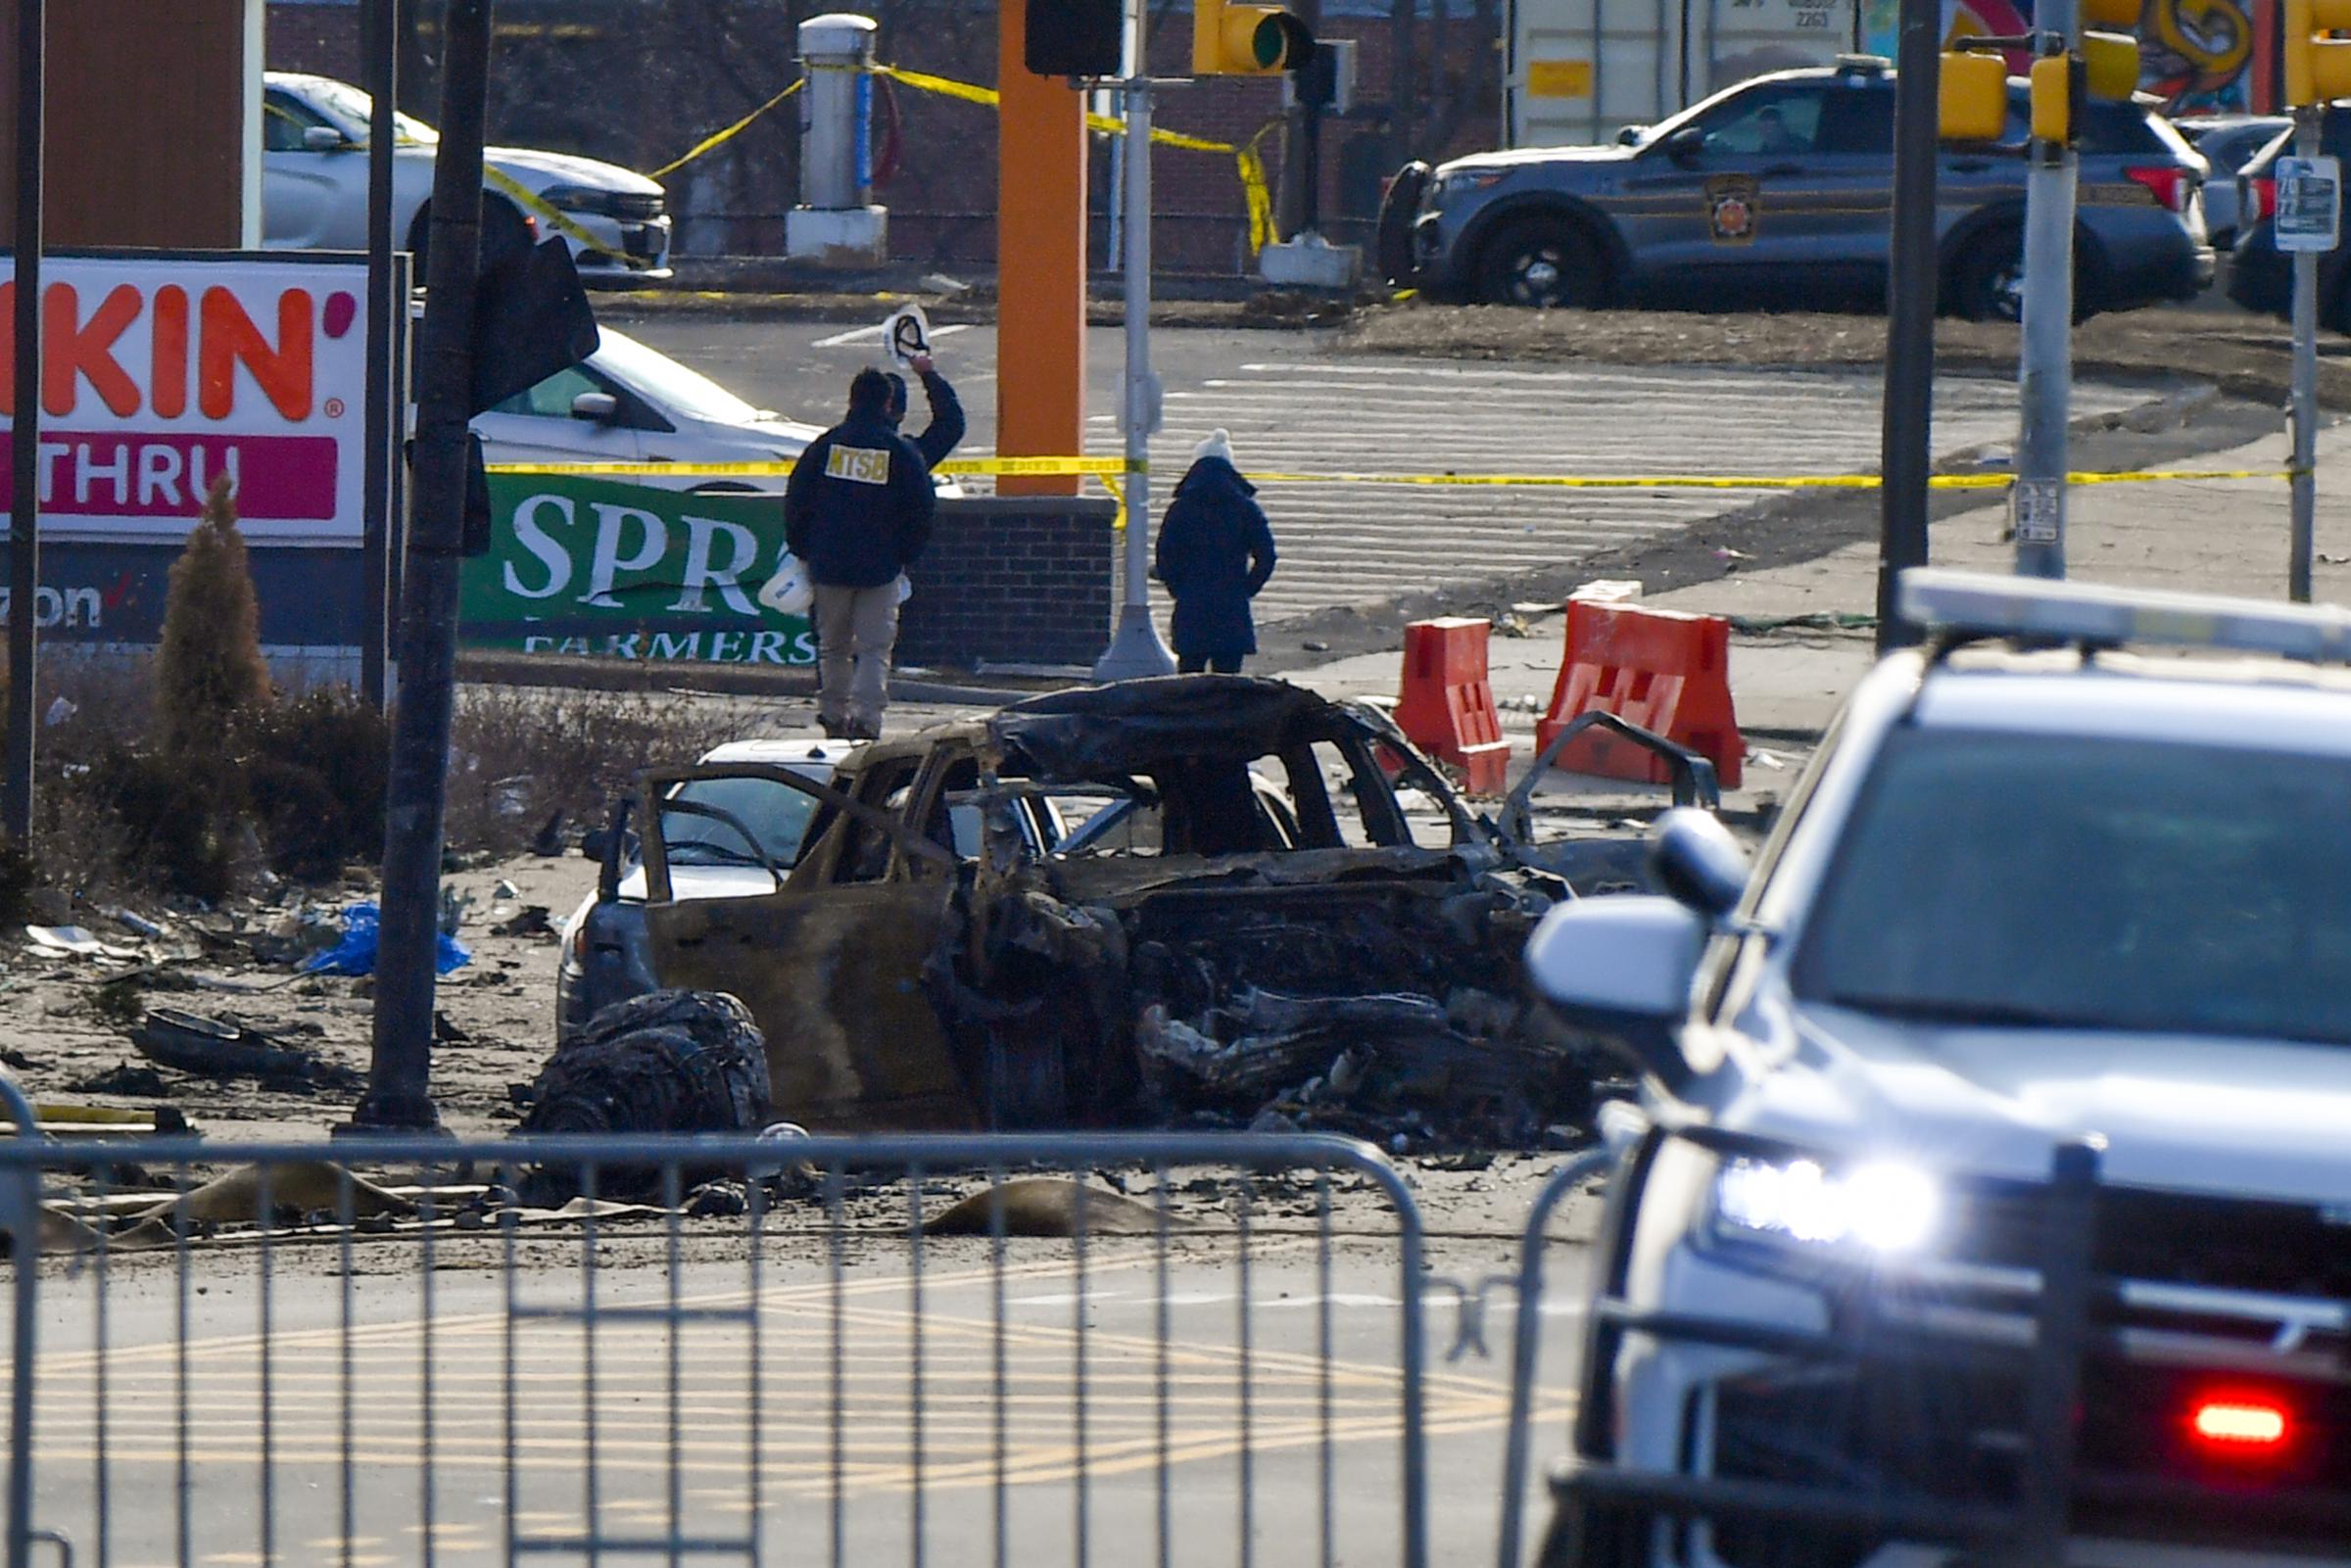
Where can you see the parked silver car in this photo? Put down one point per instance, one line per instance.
(1777, 192)
(315, 132)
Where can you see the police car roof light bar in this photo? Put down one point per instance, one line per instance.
(1963, 605)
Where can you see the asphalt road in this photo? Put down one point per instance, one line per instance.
(227, 1456)
(1294, 406)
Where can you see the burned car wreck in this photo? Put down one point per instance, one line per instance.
(1192, 900)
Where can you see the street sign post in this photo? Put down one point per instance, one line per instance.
(2308, 224)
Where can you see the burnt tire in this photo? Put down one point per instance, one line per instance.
(1543, 263)
(667, 1061)
(1987, 280)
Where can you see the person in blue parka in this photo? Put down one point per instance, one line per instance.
(1216, 550)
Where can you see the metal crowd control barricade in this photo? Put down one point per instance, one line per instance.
(817, 1349)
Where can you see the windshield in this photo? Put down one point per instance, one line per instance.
(2078, 882)
(357, 109)
(669, 385)
(777, 815)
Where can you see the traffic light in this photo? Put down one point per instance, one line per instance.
(1230, 40)
(2109, 52)
(1972, 103)
(2317, 69)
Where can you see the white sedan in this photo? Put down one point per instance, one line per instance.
(630, 404)
(315, 132)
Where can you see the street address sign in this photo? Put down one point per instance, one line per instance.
(2310, 203)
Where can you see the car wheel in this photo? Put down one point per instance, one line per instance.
(504, 234)
(1544, 264)
(1989, 282)
(1589, 1535)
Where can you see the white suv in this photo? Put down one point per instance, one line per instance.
(1991, 1192)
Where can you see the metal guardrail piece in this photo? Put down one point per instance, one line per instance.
(823, 1349)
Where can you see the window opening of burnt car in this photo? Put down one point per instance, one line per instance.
(865, 851)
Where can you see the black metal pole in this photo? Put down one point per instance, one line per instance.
(24, 436)
(1906, 456)
(399, 1085)
(379, 53)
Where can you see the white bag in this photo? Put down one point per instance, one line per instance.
(905, 587)
(788, 592)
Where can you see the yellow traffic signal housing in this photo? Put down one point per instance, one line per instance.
(2053, 98)
(1972, 105)
(2110, 62)
(1246, 40)
(2317, 69)
(2119, 15)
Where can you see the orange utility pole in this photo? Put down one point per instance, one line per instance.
(1040, 263)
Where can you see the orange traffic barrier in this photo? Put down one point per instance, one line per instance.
(1660, 669)
(1446, 704)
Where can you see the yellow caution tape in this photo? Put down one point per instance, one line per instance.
(1030, 466)
(1105, 468)
(1248, 162)
(530, 201)
(721, 138)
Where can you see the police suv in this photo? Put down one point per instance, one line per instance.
(1989, 1197)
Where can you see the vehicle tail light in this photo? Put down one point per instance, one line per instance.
(2258, 198)
(2172, 186)
(2248, 1426)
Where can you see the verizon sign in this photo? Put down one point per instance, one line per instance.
(158, 373)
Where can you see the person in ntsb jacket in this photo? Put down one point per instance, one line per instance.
(857, 512)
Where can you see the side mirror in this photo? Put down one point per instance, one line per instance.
(324, 139)
(1696, 858)
(596, 408)
(1629, 135)
(1686, 144)
(1620, 968)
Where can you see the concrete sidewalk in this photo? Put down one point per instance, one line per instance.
(2215, 536)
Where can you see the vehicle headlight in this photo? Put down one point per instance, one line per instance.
(578, 199)
(1879, 1206)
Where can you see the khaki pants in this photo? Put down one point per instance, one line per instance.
(854, 627)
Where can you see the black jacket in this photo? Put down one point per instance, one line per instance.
(945, 429)
(857, 507)
(1216, 550)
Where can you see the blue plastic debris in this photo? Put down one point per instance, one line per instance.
(356, 953)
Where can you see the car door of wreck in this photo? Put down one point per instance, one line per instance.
(832, 962)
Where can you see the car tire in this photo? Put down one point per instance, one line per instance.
(1590, 1535)
(1543, 263)
(1987, 281)
(504, 234)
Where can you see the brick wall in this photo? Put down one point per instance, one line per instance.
(1011, 581)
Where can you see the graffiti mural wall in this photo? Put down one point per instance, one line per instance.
(2199, 55)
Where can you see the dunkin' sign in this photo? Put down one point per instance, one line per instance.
(158, 373)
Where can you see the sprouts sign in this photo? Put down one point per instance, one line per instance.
(160, 370)
(585, 566)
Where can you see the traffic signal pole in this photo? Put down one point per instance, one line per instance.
(2045, 369)
(2304, 388)
(1905, 454)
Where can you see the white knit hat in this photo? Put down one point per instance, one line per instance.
(1218, 445)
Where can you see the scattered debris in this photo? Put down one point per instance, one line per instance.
(532, 920)
(212, 1047)
(74, 941)
(143, 1082)
(548, 841)
(1047, 1206)
(355, 954)
(447, 1034)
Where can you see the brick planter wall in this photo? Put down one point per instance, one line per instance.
(1012, 580)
